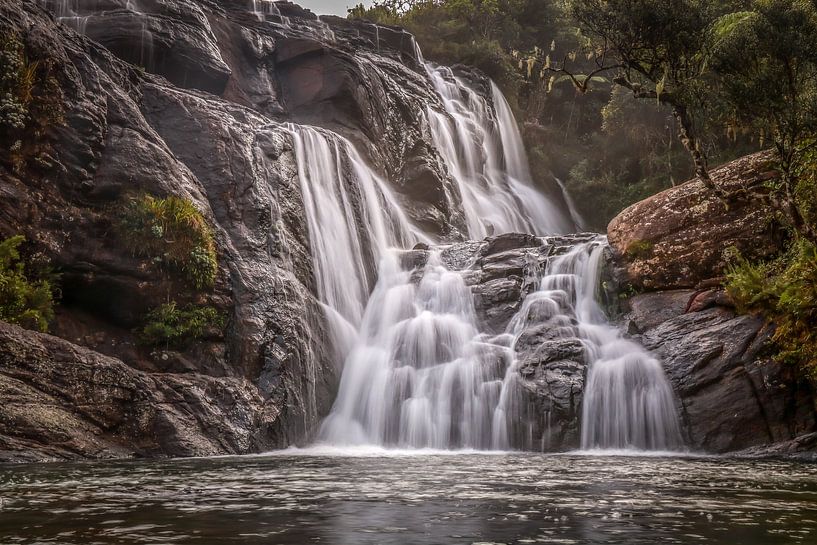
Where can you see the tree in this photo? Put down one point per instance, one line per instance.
(654, 48)
(765, 62)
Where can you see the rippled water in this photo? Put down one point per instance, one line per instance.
(429, 498)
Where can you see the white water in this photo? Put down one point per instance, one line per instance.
(628, 403)
(352, 217)
(419, 373)
(485, 156)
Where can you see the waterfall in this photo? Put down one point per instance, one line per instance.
(483, 151)
(628, 403)
(421, 374)
(352, 219)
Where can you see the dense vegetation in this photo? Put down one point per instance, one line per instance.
(30, 102)
(177, 239)
(24, 299)
(622, 98)
(174, 234)
(172, 326)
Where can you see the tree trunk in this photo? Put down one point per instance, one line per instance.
(690, 142)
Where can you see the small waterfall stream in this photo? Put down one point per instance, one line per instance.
(483, 150)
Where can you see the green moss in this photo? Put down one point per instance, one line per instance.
(174, 234)
(639, 249)
(23, 301)
(176, 327)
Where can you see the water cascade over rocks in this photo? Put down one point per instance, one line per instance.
(420, 371)
(483, 150)
(353, 220)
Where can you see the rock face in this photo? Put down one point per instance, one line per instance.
(190, 98)
(673, 247)
(64, 401)
(685, 235)
(732, 395)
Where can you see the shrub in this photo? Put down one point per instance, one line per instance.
(640, 249)
(176, 327)
(785, 292)
(173, 233)
(27, 303)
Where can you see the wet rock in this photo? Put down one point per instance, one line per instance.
(731, 394)
(63, 401)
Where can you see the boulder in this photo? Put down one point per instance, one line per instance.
(731, 394)
(62, 401)
(686, 235)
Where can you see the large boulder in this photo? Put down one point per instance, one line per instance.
(62, 401)
(686, 235)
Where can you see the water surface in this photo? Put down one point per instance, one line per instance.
(374, 497)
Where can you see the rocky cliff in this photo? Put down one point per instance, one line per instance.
(671, 251)
(190, 98)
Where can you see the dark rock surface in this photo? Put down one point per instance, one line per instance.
(685, 235)
(63, 401)
(732, 395)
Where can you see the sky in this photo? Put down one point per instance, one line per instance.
(330, 7)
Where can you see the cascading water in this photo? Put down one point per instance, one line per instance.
(418, 371)
(628, 403)
(483, 150)
(421, 375)
(353, 219)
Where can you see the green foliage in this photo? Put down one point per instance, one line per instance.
(640, 249)
(30, 101)
(173, 233)
(173, 327)
(28, 303)
(785, 292)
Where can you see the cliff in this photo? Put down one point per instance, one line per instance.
(191, 98)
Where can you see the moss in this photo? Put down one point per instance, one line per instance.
(174, 234)
(176, 327)
(23, 301)
(639, 249)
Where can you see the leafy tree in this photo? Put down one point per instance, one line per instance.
(765, 60)
(656, 49)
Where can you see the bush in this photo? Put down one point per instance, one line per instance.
(785, 292)
(175, 327)
(27, 303)
(173, 233)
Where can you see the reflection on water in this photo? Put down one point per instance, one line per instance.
(375, 497)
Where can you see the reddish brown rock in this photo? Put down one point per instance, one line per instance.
(685, 235)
